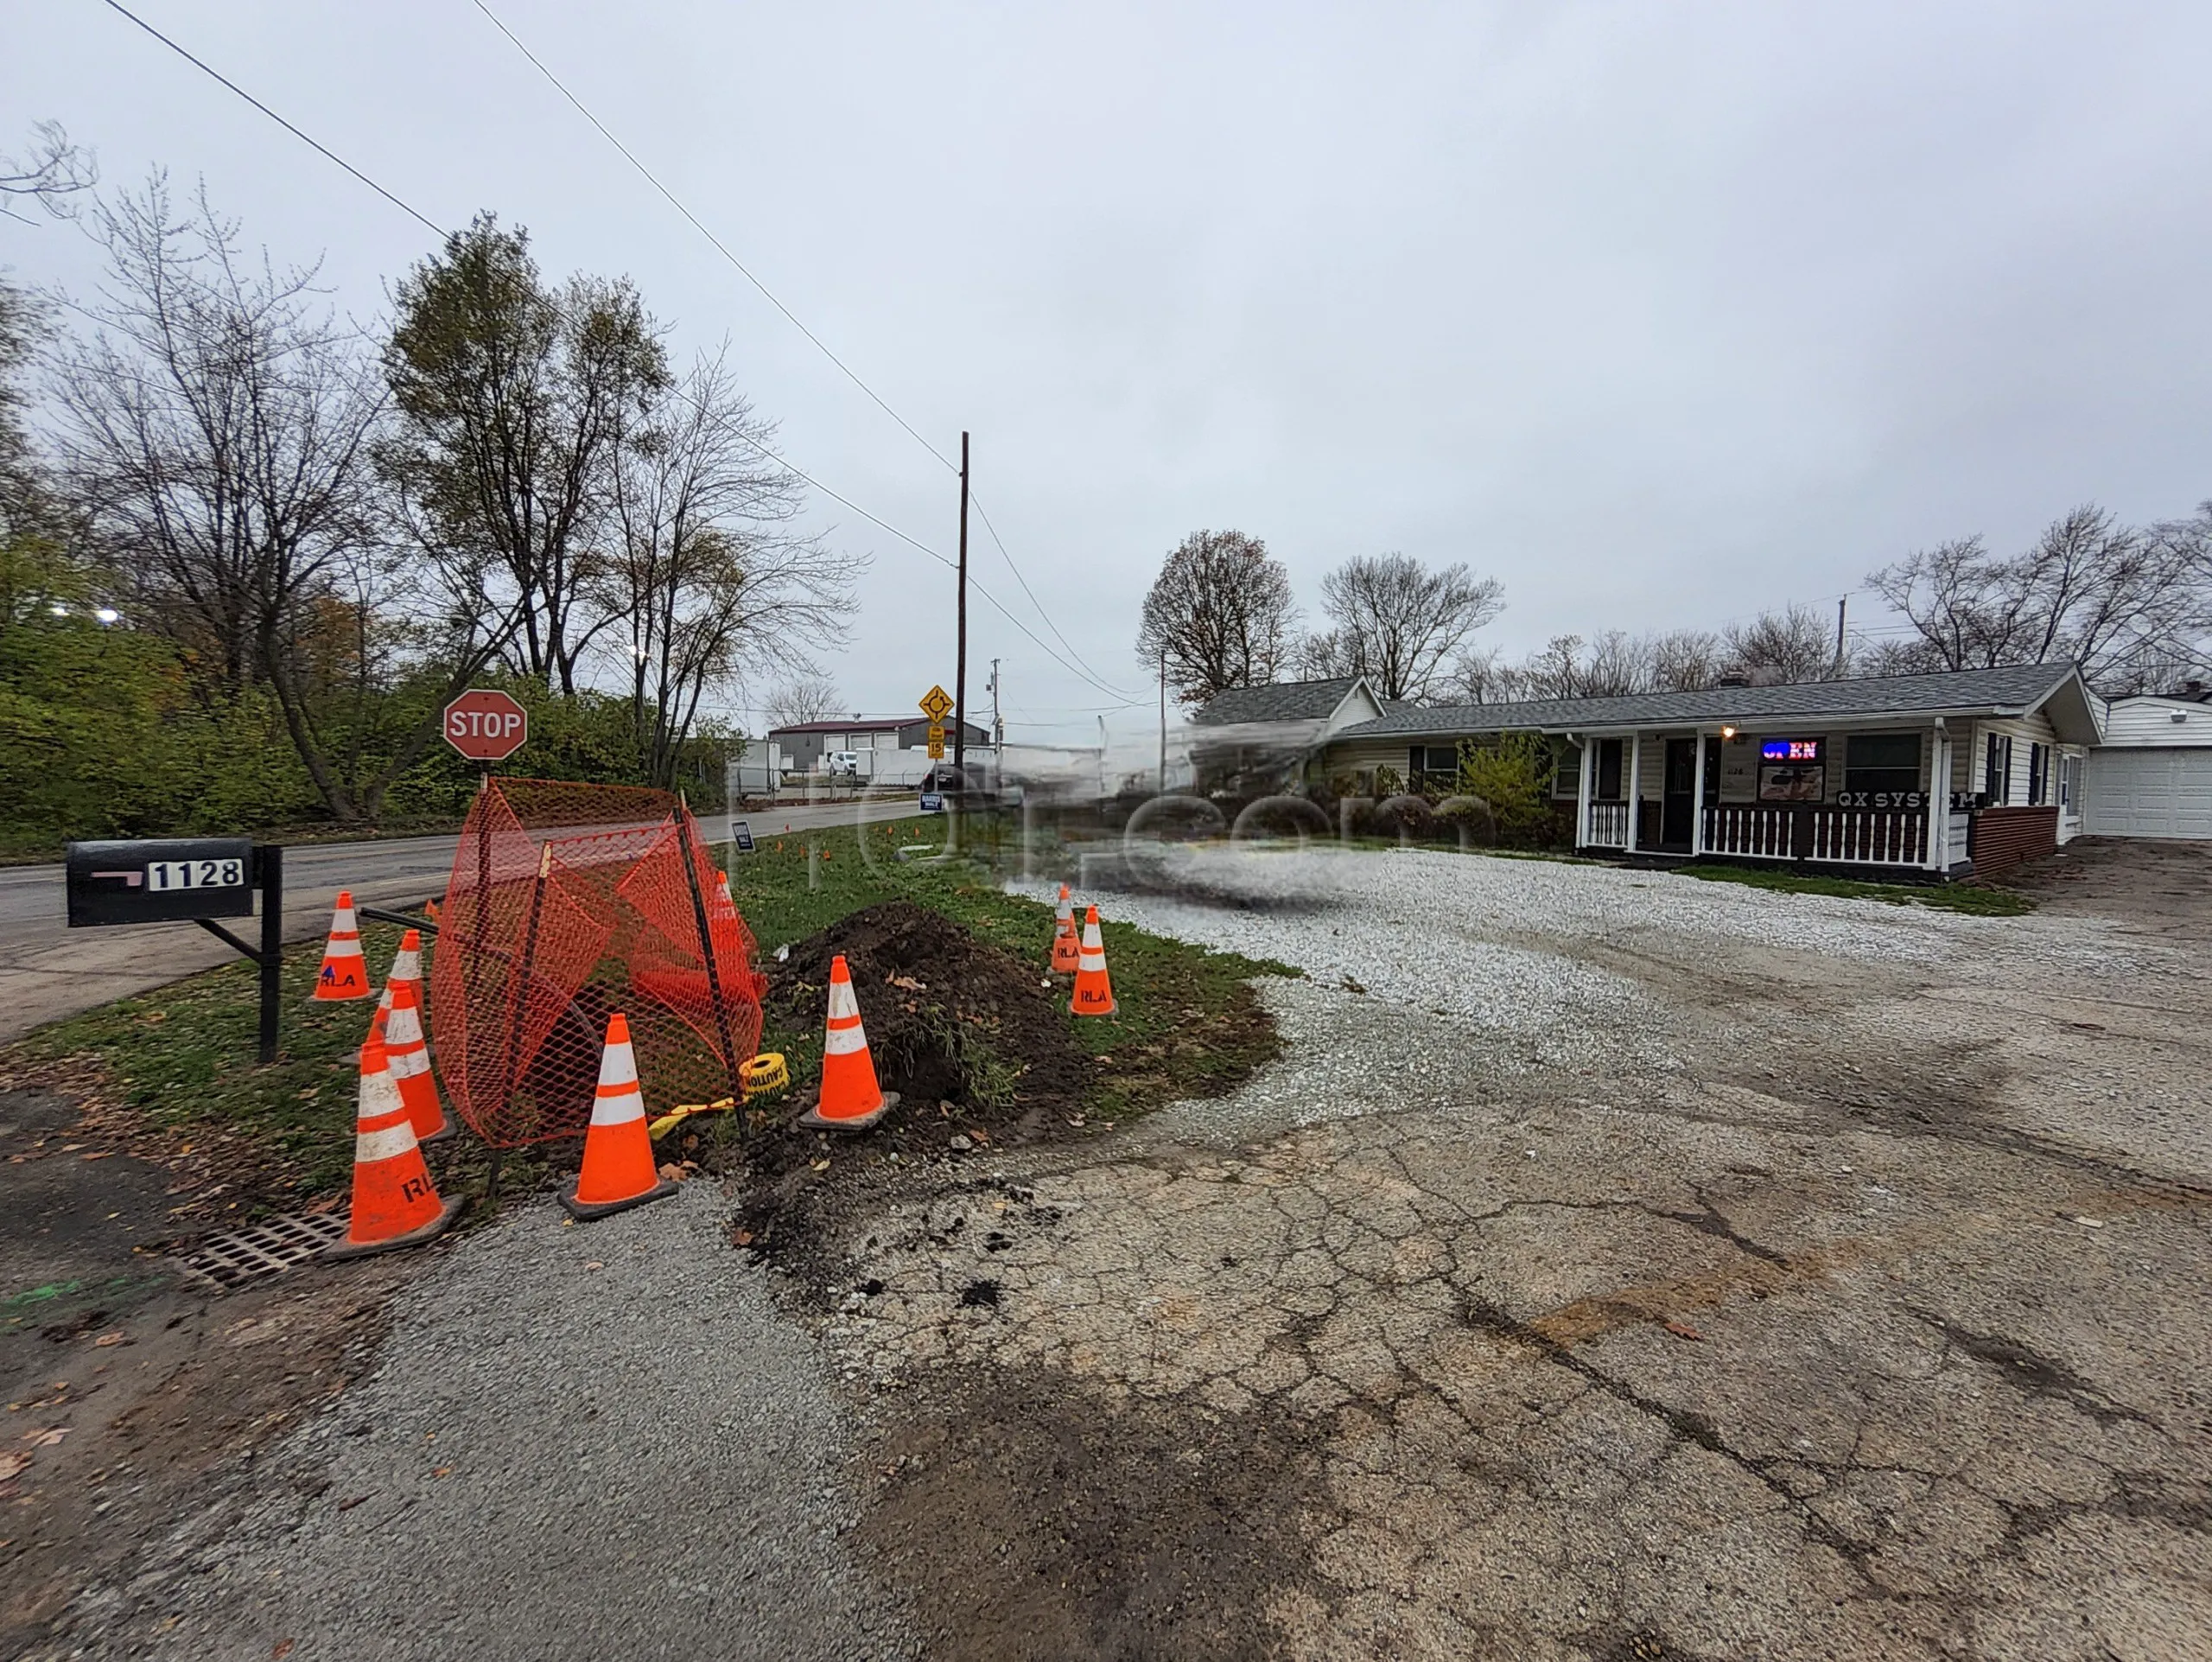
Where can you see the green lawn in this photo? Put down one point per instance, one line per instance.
(181, 1056)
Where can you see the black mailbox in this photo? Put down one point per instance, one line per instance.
(174, 880)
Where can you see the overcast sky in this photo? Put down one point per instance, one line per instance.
(1661, 313)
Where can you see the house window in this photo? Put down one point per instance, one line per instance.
(1997, 772)
(2069, 785)
(1609, 770)
(2038, 774)
(1431, 764)
(1883, 763)
(1567, 771)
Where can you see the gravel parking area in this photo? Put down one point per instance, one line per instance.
(1616, 1266)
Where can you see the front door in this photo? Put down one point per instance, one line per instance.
(1679, 800)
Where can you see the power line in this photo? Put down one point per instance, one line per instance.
(1095, 678)
(204, 69)
(560, 86)
(438, 231)
(791, 316)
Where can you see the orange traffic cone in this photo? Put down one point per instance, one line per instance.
(344, 971)
(851, 1099)
(618, 1170)
(406, 965)
(1094, 993)
(1067, 951)
(395, 1204)
(411, 1064)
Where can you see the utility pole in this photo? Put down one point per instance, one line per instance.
(998, 722)
(960, 658)
(1163, 723)
(1841, 607)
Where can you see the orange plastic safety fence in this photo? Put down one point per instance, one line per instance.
(568, 903)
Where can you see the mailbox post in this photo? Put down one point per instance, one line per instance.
(188, 880)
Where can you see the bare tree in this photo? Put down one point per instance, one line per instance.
(1399, 624)
(53, 173)
(1795, 644)
(706, 580)
(510, 397)
(1327, 655)
(216, 425)
(1480, 675)
(1685, 660)
(1219, 615)
(803, 698)
(2123, 602)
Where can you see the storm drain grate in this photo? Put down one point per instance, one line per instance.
(226, 1263)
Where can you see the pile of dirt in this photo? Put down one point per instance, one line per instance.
(977, 1044)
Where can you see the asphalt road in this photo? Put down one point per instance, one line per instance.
(48, 970)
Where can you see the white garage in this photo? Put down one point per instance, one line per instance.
(2152, 775)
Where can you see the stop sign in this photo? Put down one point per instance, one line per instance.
(485, 726)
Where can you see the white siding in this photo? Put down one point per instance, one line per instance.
(2131, 722)
(2030, 729)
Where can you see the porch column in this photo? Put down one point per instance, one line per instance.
(1635, 792)
(1939, 801)
(1582, 789)
(1697, 800)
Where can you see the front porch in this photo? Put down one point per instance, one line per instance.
(1765, 797)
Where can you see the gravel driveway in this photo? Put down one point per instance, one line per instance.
(1616, 1266)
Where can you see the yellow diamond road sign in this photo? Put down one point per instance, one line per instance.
(935, 703)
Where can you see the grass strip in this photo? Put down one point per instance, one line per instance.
(181, 1055)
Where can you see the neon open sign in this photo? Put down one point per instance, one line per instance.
(1789, 750)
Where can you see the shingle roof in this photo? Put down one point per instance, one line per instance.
(1281, 701)
(2019, 686)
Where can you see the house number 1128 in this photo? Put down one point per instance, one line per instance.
(164, 875)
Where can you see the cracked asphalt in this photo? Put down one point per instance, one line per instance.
(1787, 1278)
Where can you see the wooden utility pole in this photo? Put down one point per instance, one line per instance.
(1163, 722)
(960, 651)
(1843, 610)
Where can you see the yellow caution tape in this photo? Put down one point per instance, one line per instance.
(766, 1072)
(676, 1115)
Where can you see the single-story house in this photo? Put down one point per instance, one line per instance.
(806, 746)
(2151, 774)
(1945, 773)
(1266, 732)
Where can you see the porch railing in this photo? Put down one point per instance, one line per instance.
(1608, 825)
(1874, 837)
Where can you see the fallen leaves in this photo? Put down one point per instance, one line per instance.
(108, 1339)
(11, 1464)
(1683, 1330)
(47, 1438)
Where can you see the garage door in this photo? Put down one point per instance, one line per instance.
(2149, 793)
